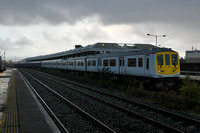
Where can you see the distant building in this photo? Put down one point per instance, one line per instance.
(192, 56)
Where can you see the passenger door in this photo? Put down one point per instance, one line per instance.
(121, 65)
(167, 63)
(147, 66)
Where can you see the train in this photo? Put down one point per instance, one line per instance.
(1, 65)
(152, 63)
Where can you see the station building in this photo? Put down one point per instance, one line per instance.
(192, 56)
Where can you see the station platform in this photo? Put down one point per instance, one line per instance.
(23, 112)
(193, 77)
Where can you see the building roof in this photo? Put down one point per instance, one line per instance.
(130, 53)
(144, 46)
(192, 51)
(97, 48)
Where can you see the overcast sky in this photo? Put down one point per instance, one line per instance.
(37, 27)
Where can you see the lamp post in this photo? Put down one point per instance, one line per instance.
(156, 36)
(4, 58)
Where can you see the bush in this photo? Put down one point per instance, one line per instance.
(190, 90)
(170, 99)
(106, 77)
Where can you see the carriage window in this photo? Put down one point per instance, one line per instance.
(78, 63)
(167, 62)
(64, 64)
(113, 62)
(70, 63)
(82, 63)
(89, 63)
(159, 59)
(132, 62)
(93, 62)
(105, 63)
(174, 59)
(140, 62)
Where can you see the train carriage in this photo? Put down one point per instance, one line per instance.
(64, 64)
(92, 64)
(155, 63)
(54, 64)
(45, 64)
(1, 65)
(167, 64)
(71, 64)
(80, 64)
(112, 63)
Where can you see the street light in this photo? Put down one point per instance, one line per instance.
(156, 36)
(4, 56)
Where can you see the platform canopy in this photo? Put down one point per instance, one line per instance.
(97, 48)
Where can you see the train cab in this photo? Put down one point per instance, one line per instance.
(167, 64)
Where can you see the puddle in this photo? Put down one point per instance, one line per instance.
(4, 79)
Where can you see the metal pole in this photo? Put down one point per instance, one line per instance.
(4, 56)
(156, 37)
(156, 40)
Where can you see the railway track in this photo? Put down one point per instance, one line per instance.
(166, 120)
(115, 119)
(50, 112)
(80, 118)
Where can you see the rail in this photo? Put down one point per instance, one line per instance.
(50, 112)
(144, 118)
(97, 122)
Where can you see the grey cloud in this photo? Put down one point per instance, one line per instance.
(23, 41)
(16, 49)
(179, 19)
(109, 11)
(20, 43)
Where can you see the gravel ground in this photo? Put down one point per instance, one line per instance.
(73, 121)
(165, 119)
(159, 117)
(115, 119)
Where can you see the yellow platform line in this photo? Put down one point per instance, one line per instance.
(9, 120)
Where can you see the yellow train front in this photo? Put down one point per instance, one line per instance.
(167, 64)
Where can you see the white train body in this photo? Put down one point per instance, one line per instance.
(156, 63)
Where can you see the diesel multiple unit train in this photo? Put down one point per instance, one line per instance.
(153, 63)
(1, 65)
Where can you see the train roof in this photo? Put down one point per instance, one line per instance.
(129, 53)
